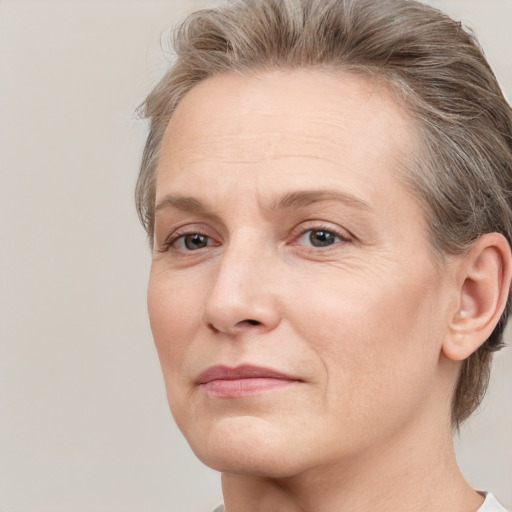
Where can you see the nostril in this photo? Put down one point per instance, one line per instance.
(238, 325)
(213, 328)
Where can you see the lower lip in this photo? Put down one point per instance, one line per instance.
(237, 388)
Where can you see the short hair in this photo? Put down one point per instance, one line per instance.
(462, 174)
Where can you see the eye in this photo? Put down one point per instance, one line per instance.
(319, 238)
(192, 242)
(187, 242)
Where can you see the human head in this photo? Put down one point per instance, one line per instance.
(462, 176)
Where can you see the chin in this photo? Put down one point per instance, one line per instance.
(247, 445)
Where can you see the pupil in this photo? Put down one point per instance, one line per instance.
(321, 238)
(195, 241)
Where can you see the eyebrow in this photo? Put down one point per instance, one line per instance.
(185, 204)
(305, 198)
(298, 199)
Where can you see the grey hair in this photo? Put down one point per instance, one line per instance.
(463, 174)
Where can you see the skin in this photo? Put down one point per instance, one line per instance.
(359, 324)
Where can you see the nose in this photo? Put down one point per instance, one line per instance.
(242, 297)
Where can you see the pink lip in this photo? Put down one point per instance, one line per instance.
(243, 380)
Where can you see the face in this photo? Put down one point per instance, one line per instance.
(293, 298)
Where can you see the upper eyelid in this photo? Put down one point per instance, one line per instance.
(336, 231)
(298, 230)
(190, 228)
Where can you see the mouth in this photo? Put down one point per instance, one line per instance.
(243, 380)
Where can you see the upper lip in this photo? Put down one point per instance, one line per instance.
(244, 371)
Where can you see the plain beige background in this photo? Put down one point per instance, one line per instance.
(84, 424)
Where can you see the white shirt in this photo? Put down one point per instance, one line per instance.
(490, 504)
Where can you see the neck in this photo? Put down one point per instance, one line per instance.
(403, 474)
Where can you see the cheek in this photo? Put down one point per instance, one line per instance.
(368, 332)
(173, 313)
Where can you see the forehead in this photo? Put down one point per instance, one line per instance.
(270, 129)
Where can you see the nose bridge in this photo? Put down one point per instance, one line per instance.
(241, 294)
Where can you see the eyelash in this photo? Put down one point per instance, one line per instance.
(177, 235)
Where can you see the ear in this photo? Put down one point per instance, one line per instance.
(483, 283)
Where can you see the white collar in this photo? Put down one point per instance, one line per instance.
(490, 504)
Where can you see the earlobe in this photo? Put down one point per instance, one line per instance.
(484, 282)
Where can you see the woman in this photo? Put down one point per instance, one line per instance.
(326, 189)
